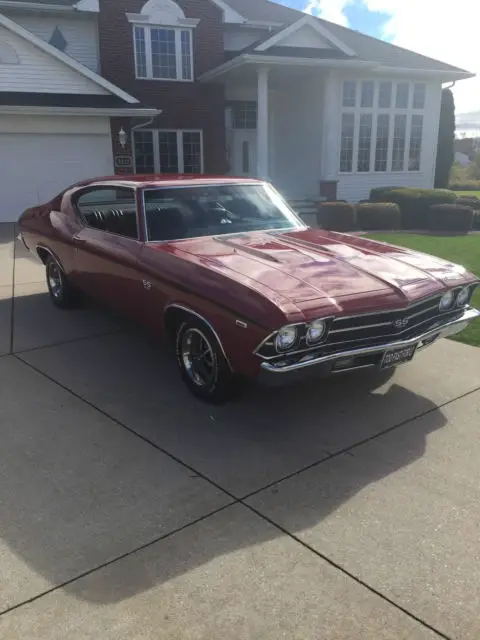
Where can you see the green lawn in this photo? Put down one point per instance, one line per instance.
(467, 194)
(464, 250)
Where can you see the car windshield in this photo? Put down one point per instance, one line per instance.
(193, 212)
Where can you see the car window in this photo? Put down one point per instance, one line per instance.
(191, 212)
(112, 209)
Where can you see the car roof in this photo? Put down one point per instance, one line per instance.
(162, 180)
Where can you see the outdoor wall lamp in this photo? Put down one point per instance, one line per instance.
(122, 138)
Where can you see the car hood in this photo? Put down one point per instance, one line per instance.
(315, 269)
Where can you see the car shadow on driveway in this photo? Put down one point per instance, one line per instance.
(244, 447)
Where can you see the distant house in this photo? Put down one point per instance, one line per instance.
(245, 87)
(462, 158)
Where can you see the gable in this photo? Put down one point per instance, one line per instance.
(305, 37)
(37, 71)
(303, 30)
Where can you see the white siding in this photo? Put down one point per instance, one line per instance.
(356, 186)
(80, 32)
(305, 37)
(40, 72)
(297, 137)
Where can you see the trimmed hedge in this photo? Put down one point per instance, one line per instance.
(476, 220)
(468, 201)
(382, 216)
(470, 185)
(336, 216)
(448, 217)
(414, 203)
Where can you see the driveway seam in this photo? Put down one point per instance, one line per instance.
(107, 563)
(340, 568)
(12, 301)
(70, 341)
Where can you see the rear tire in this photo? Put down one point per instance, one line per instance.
(202, 364)
(62, 294)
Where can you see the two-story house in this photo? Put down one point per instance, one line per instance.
(246, 87)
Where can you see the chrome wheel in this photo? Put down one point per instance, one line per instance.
(198, 358)
(55, 279)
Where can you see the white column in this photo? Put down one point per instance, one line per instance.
(262, 123)
(331, 127)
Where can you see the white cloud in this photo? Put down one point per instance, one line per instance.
(444, 31)
(332, 10)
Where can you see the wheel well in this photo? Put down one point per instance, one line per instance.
(173, 318)
(43, 254)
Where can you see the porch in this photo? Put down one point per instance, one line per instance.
(276, 128)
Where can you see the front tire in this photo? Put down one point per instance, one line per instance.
(202, 364)
(61, 292)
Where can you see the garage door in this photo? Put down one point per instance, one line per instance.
(36, 167)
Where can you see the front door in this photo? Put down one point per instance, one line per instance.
(244, 153)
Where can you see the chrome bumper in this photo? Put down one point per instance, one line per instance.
(443, 331)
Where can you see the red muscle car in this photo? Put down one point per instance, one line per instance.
(238, 283)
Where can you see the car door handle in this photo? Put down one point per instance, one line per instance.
(78, 241)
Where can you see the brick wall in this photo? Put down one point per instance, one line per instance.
(185, 105)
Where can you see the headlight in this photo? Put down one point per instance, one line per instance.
(463, 297)
(447, 301)
(316, 331)
(285, 338)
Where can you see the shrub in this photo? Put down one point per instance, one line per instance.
(468, 201)
(470, 185)
(451, 217)
(336, 216)
(476, 220)
(414, 203)
(384, 216)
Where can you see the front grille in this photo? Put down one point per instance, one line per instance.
(388, 326)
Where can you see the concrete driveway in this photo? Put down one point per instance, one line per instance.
(346, 509)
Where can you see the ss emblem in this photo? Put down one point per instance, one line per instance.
(147, 285)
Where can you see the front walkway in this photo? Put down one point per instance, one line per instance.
(343, 510)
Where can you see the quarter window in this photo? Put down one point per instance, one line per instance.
(163, 53)
(113, 210)
(168, 151)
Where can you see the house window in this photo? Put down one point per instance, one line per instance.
(163, 53)
(401, 99)
(385, 95)
(346, 149)
(367, 93)
(244, 115)
(380, 131)
(399, 134)
(419, 93)
(381, 149)
(349, 93)
(168, 151)
(415, 151)
(364, 142)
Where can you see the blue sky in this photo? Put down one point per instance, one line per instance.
(357, 14)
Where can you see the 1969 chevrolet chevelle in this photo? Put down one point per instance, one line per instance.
(238, 283)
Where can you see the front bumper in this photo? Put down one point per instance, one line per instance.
(361, 358)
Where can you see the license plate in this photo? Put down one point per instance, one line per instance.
(397, 356)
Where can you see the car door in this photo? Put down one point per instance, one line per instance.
(107, 247)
